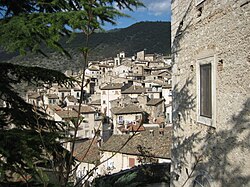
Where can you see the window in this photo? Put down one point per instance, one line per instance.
(206, 90)
(120, 119)
(103, 92)
(104, 102)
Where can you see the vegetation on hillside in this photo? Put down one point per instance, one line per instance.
(152, 36)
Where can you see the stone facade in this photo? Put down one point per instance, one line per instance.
(213, 151)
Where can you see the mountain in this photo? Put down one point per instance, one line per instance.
(153, 36)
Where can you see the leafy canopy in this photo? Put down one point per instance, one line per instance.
(28, 25)
(28, 139)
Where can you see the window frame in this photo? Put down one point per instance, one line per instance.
(203, 61)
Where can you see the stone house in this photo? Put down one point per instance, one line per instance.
(87, 156)
(66, 116)
(140, 55)
(150, 57)
(76, 92)
(34, 98)
(50, 99)
(90, 124)
(70, 100)
(105, 69)
(211, 93)
(63, 92)
(51, 109)
(155, 108)
(125, 151)
(109, 92)
(137, 70)
(121, 70)
(92, 71)
(125, 115)
(154, 88)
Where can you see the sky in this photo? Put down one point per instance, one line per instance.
(156, 10)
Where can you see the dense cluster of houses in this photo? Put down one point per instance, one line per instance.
(123, 97)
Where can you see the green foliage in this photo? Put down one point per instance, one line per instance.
(28, 140)
(138, 176)
(30, 25)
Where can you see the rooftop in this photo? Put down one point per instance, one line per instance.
(52, 96)
(150, 143)
(154, 102)
(129, 109)
(134, 90)
(71, 98)
(112, 86)
(66, 114)
(84, 109)
(83, 153)
(96, 102)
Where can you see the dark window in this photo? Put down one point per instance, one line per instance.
(205, 91)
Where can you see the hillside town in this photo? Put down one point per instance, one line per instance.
(144, 120)
(122, 96)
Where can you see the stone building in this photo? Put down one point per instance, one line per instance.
(211, 95)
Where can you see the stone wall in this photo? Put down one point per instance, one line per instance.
(218, 153)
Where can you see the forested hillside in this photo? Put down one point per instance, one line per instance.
(152, 36)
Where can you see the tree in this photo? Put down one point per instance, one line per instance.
(28, 140)
(29, 26)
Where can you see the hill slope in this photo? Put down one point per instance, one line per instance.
(152, 36)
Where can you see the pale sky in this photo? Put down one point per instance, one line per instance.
(156, 10)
